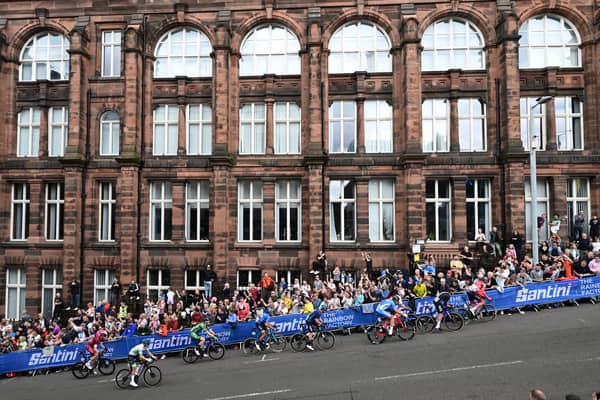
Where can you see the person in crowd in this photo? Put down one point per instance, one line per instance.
(480, 240)
(467, 256)
(496, 242)
(594, 226)
(517, 241)
(209, 279)
(578, 224)
(74, 288)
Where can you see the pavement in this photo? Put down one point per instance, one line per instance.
(556, 350)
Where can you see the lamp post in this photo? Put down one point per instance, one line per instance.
(533, 179)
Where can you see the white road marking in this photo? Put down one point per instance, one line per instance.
(261, 360)
(442, 371)
(590, 359)
(241, 396)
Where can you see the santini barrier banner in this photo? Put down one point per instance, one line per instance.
(517, 296)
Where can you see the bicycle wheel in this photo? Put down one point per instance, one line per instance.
(152, 375)
(325, 340)
(277, 343)
(453, 321)
(298, 342)
(406, 330)
(216, 351)
(249, 346)
(487, 313)
(106, 366)
(425, 324)
(189, 355)
(80, 371)
(376, 334)
(122, 378)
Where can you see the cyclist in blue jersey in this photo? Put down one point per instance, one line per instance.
(388, 307)
(441, 304)
(313, 322)
(262, 323)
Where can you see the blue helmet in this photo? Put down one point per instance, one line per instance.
(323, 306)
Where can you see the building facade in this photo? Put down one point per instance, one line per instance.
(144, 140)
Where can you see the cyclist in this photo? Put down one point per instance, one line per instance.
(100, 336)
(262, 323)
(199, 333)
(441, 304)
(385, 309)
(313, 322)
(476, 293)
(139, 353)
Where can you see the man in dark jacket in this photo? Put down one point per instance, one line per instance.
(209, 279)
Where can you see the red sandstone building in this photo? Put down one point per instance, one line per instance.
(146, 140)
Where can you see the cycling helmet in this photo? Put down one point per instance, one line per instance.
(396, 298)
(323, 306)
(146, 342)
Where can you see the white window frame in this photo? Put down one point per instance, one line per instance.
(569, 116)
(377, 124)
(55, 287)
(525, 107)
(165, 201)
(24, 211)
(285, 201)
(199, 281)
(574, 199)
(340, 121)
(58, 202)
(251, 202)
(282, 61)
(379, 201)
(47, 61)
(434, 120)
(343, 48)
(476, 200)
(286, 124)
(526, 47)
(202, 187)
(343, 201)
(107, 276)
(178, 65)
(251, 278)
(437, 200)
(472, 119)
(204, 144)
(161, 285)
(545, 200)
(111, 41)
(288, 274)
(167, 124)
(107, 132)
(32, 130)
(257, 144)
(63, 128)
(110, 203)
(431, 44)
(21, 287)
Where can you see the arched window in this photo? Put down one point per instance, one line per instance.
(109, 134)
(452, 43)
(45, 57)
(359, 46)
(183, 52)
(548, 40)
(270, 49)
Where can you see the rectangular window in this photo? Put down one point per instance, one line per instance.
(250, 210)
(28, 134)
(58, 128)
(19, 212)
(158, 280)
(478, 207)
(194, 279)
(161, 205)
(471, 125)
(199, 129)
(539, 123)
(55, 208)
(342, 127)
(247, 276)
(542, 217)
(290, 277)
(569, 123)
(378, 126)
(15, 292)
(288, 212)
(166, 130)
(287, 128)
(578, 199)
(436, 125)
(438, 206)
(196, 211)
(111, 54)
(102, 282)
(107, 211)
(52, 283)
(252, 128)
(342, 211)
(381, 210)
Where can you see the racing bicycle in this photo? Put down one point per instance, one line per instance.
(404, 328)
(452, 320)
(485, 312)
(274, 342)
(323, 339)
(215, 351)
(104, 365)
(151, 373)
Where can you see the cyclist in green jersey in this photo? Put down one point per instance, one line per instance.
(199, 333)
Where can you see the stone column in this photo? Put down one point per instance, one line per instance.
(126, 214)
(361, 143)
(268, 211)
(459, 210)
(72, 223)
(131, 139)
(362, 211)
(411, 78)
(178, 221)
(454, 134)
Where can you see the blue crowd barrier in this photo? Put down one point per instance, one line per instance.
(511, 297)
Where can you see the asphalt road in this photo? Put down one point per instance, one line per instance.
(556, 350)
